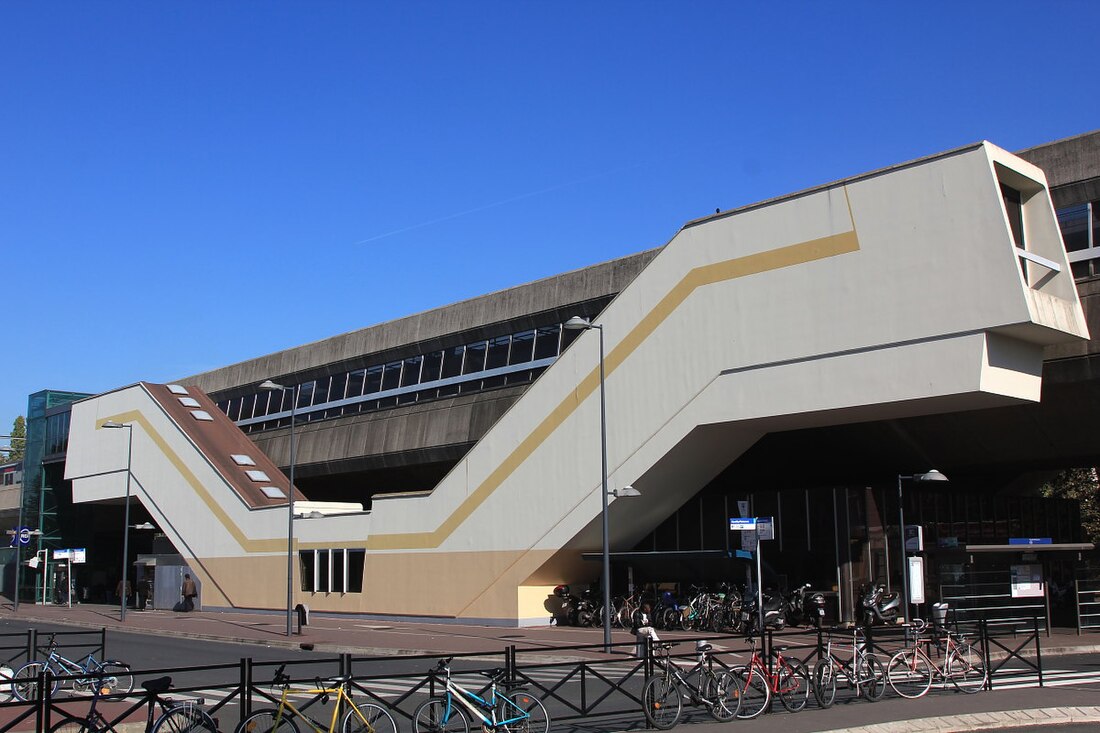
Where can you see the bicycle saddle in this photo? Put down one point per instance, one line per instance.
(495, 674)
(157, 685)
(704, 647)
(779, 648)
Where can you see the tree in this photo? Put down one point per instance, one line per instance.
(18, 442)
(1082, 484)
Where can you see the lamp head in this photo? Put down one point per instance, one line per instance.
(624, 492)
(932, 475)
(576, 323)
(268, 386)
(113, 424)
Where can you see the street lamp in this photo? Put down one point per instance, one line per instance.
(126, 524)
(932, 475)
(576, 323)
(270, 386)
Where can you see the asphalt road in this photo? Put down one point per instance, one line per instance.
(1074, 680)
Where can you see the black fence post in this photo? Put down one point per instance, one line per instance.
(1038, 649)
(32, 644)
(103, 642)
(820, 644)
(510, 663)
(246, 687)
(345, 664)
(42, 701)
(983, 631)
(648, 662)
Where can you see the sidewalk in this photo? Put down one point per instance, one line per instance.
(380, 638)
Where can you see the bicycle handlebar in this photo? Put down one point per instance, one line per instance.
(279, 678)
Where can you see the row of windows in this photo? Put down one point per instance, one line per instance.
(1080, 227)
(505, 360)
(57, 433)
(331, 571)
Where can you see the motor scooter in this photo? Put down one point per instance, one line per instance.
(773, 613)
(879, 607)
(805, 606)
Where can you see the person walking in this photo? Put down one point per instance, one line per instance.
(124, 590)
(189, 593)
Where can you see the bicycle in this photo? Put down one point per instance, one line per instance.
(360, 718)
(911, 671)
(111, 673)
(511, 711)
(664, 694)
(175, 717)
(864, 673)
(788, 679)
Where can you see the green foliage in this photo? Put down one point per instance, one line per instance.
(18, 442)
(1082, 484)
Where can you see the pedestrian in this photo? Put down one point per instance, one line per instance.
(189, 593)
(124, 590)
(642, 628)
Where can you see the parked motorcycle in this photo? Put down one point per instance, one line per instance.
(879, 607)
(805, 606)
(588, 608)
(773, 613)
(568, 611)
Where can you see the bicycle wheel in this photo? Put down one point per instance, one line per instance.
(909, 673)
(756, 694)
(966, 669)
(117, 679)
(661, 702)
(794, 685)
(872, 677)
(74, 725)
(25, 681)
(264, 721)
(537, 720)
(723, 695)
(824, 680)
(436, 716)
(370, 718)
(186, 719)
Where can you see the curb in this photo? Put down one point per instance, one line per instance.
(984, 721)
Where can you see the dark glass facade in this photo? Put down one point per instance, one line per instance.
(506, 360)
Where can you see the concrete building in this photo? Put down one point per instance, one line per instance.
(798, 354)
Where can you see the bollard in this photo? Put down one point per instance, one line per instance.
(302, 612)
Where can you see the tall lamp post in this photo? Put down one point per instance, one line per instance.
(576, 323)
(932, 475)
(270, 386)
(126, 525)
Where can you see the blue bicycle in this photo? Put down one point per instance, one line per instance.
(511, 711)
(109, 676)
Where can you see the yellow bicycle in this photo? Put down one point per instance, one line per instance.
(358, 718)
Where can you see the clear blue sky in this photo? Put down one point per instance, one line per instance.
(184, 185)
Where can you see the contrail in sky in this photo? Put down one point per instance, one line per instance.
(495, 204)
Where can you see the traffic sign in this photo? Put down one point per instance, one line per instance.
(24, 535)
(742, 524)
(765, 528)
